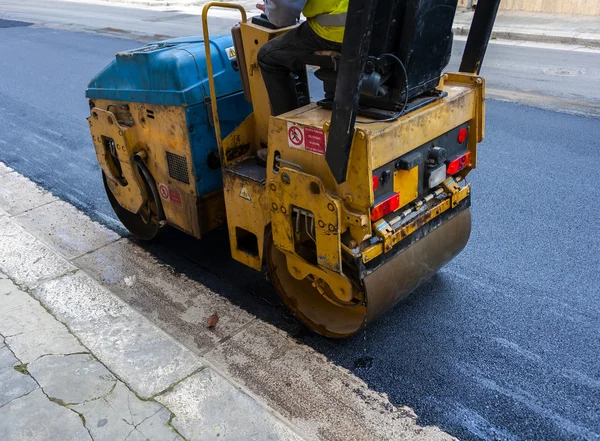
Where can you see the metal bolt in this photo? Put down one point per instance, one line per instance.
(285, 178)
(321, 224)
(283, 210)
(330, 207)
(331, 227)
(273, 187)
(479, 81)
(274, 207)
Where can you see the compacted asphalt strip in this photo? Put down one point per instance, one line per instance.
(502, 344)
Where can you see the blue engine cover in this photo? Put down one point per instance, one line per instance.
(174, 73)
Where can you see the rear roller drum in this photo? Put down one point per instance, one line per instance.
(387, 284)
(313, 307)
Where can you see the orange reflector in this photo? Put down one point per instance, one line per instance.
(386, 207)
(462, 135)
(458, 164)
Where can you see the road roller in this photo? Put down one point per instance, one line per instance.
(349, 203)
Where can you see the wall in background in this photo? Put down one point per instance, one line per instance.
(583, 7)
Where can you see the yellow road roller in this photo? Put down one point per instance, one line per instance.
(350, 202)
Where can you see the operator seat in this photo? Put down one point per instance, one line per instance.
(328, 63)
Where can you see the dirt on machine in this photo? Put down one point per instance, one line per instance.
(350, 203)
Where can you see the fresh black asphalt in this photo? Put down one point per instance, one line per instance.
(503, 344)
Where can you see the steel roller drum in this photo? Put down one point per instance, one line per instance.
(384, 288)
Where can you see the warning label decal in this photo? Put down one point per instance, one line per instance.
(170, 194)
(314, 140)
(296, 136)
(245, 194)
(230, 51)
(307, 138)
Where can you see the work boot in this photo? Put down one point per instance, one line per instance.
(261, 157)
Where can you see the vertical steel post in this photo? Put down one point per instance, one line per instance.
(479, 36)
(355, 50)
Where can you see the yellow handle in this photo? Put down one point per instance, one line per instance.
(209, 66)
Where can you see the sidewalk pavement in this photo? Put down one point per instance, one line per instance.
(583, 30)
(78, 362)
(53, 388)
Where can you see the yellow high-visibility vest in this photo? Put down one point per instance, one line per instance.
(327, 18)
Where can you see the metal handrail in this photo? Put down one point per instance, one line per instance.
(209, 66)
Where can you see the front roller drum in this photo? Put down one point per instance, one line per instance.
(145, 224)
(389, 284)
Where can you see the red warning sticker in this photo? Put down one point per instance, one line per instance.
(296, 136)
(307, 138)
(170, 194)
(164, 191)
(314, 140)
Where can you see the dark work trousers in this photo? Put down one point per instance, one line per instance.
(283, 55)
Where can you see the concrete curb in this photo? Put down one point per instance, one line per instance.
(246, 377)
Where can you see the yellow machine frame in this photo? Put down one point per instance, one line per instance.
(253, 205)
(262, 203)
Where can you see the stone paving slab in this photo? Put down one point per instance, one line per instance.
(25, 259)
(13, 384)
(35, 418)
(19, 194)
(215, 401)
(155, 290)
(66, 229)
(139, 353)
(121, 415)
(28, 328)
(77, 391)
(72, 379)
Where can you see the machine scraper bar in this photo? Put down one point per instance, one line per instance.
(479, 36)
(355, 49)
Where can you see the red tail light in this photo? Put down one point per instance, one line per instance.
(375, 183)
(386, 207)
(459, 163)
(462, 135)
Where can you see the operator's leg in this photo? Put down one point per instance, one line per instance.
(283, 55)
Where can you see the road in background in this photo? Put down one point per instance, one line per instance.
(502, 344)
(554, 77)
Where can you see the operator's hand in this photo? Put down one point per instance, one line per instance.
(261, 6)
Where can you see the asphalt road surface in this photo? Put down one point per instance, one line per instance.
(504, 343)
